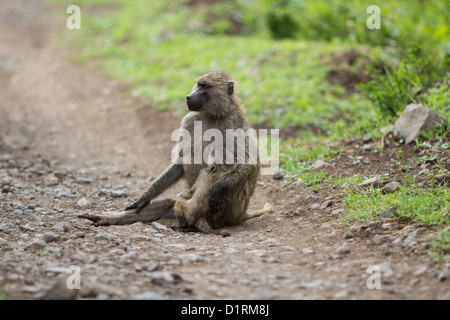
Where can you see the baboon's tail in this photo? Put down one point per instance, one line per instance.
(160, 209)
(256, 213)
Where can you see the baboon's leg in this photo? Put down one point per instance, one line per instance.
(256, 213)
(203, 226)
(160, 209)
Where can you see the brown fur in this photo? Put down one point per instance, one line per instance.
(216, 198)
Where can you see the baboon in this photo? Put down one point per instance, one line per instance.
(219, 194)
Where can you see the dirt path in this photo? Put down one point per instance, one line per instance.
(67, 133)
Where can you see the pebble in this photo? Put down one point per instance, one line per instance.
(443, 275)
(60, 290)
(27, 227)
(160, 227)
(119, 194)
(84, 203)
(147, 296)
(278, 175)
(343, 250)
(392, 212)
(410, 240)
(377, 239)
(62, 226)
(36, 244)
(348, 235)
(51, 237)
(319, 164)
(83, 180)
(101, 237)
(226, 233)
(326, 204)
(391, 187)
(164, 278)
(104, 192)
(373, 182)
(191, 258)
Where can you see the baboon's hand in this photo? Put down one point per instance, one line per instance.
(138, 205)
(218, 199)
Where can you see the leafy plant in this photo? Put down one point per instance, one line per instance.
(392, 89)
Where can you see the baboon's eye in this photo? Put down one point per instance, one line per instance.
(203, 86)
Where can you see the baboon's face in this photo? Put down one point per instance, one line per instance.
(199, 97)
(206, 97)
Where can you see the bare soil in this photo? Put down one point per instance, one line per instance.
(68, 133)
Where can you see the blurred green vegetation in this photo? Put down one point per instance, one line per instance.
(160, 47)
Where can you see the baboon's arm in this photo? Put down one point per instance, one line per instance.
(167, 179)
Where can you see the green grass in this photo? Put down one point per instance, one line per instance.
(430, 207)
(440, 247)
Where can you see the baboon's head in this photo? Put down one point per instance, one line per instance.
(214, 93)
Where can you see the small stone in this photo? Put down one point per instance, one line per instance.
(18, 212)
(320, 164)
(410, 240)
(391, 187)
(56, 270)
(160, 227)
(367, 147)
(226, 233)
(415, 120)
(20, 206)
(392, 212)
(278, 175)
(311, 197)
(314, 206)
(62, 226)
(60, 290)
(147, 296)
(420, 271)
(37, 244)
(343, 250)
(348, 184)
(443, 275)
(373, 182)
(191, 258)
(307, 251)
(83, 180)
(51, 237)
(442, 178)
(164, 278)
(326, 204)
(386, 226)
(119, 194)
(377, 239)
(84, 203)
(100, 237)
(348, 235)
(27, 227)
(104, 192)
(51, 181)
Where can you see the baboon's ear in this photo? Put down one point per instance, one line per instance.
(230, 87)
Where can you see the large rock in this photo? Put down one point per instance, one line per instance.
(415, 119)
